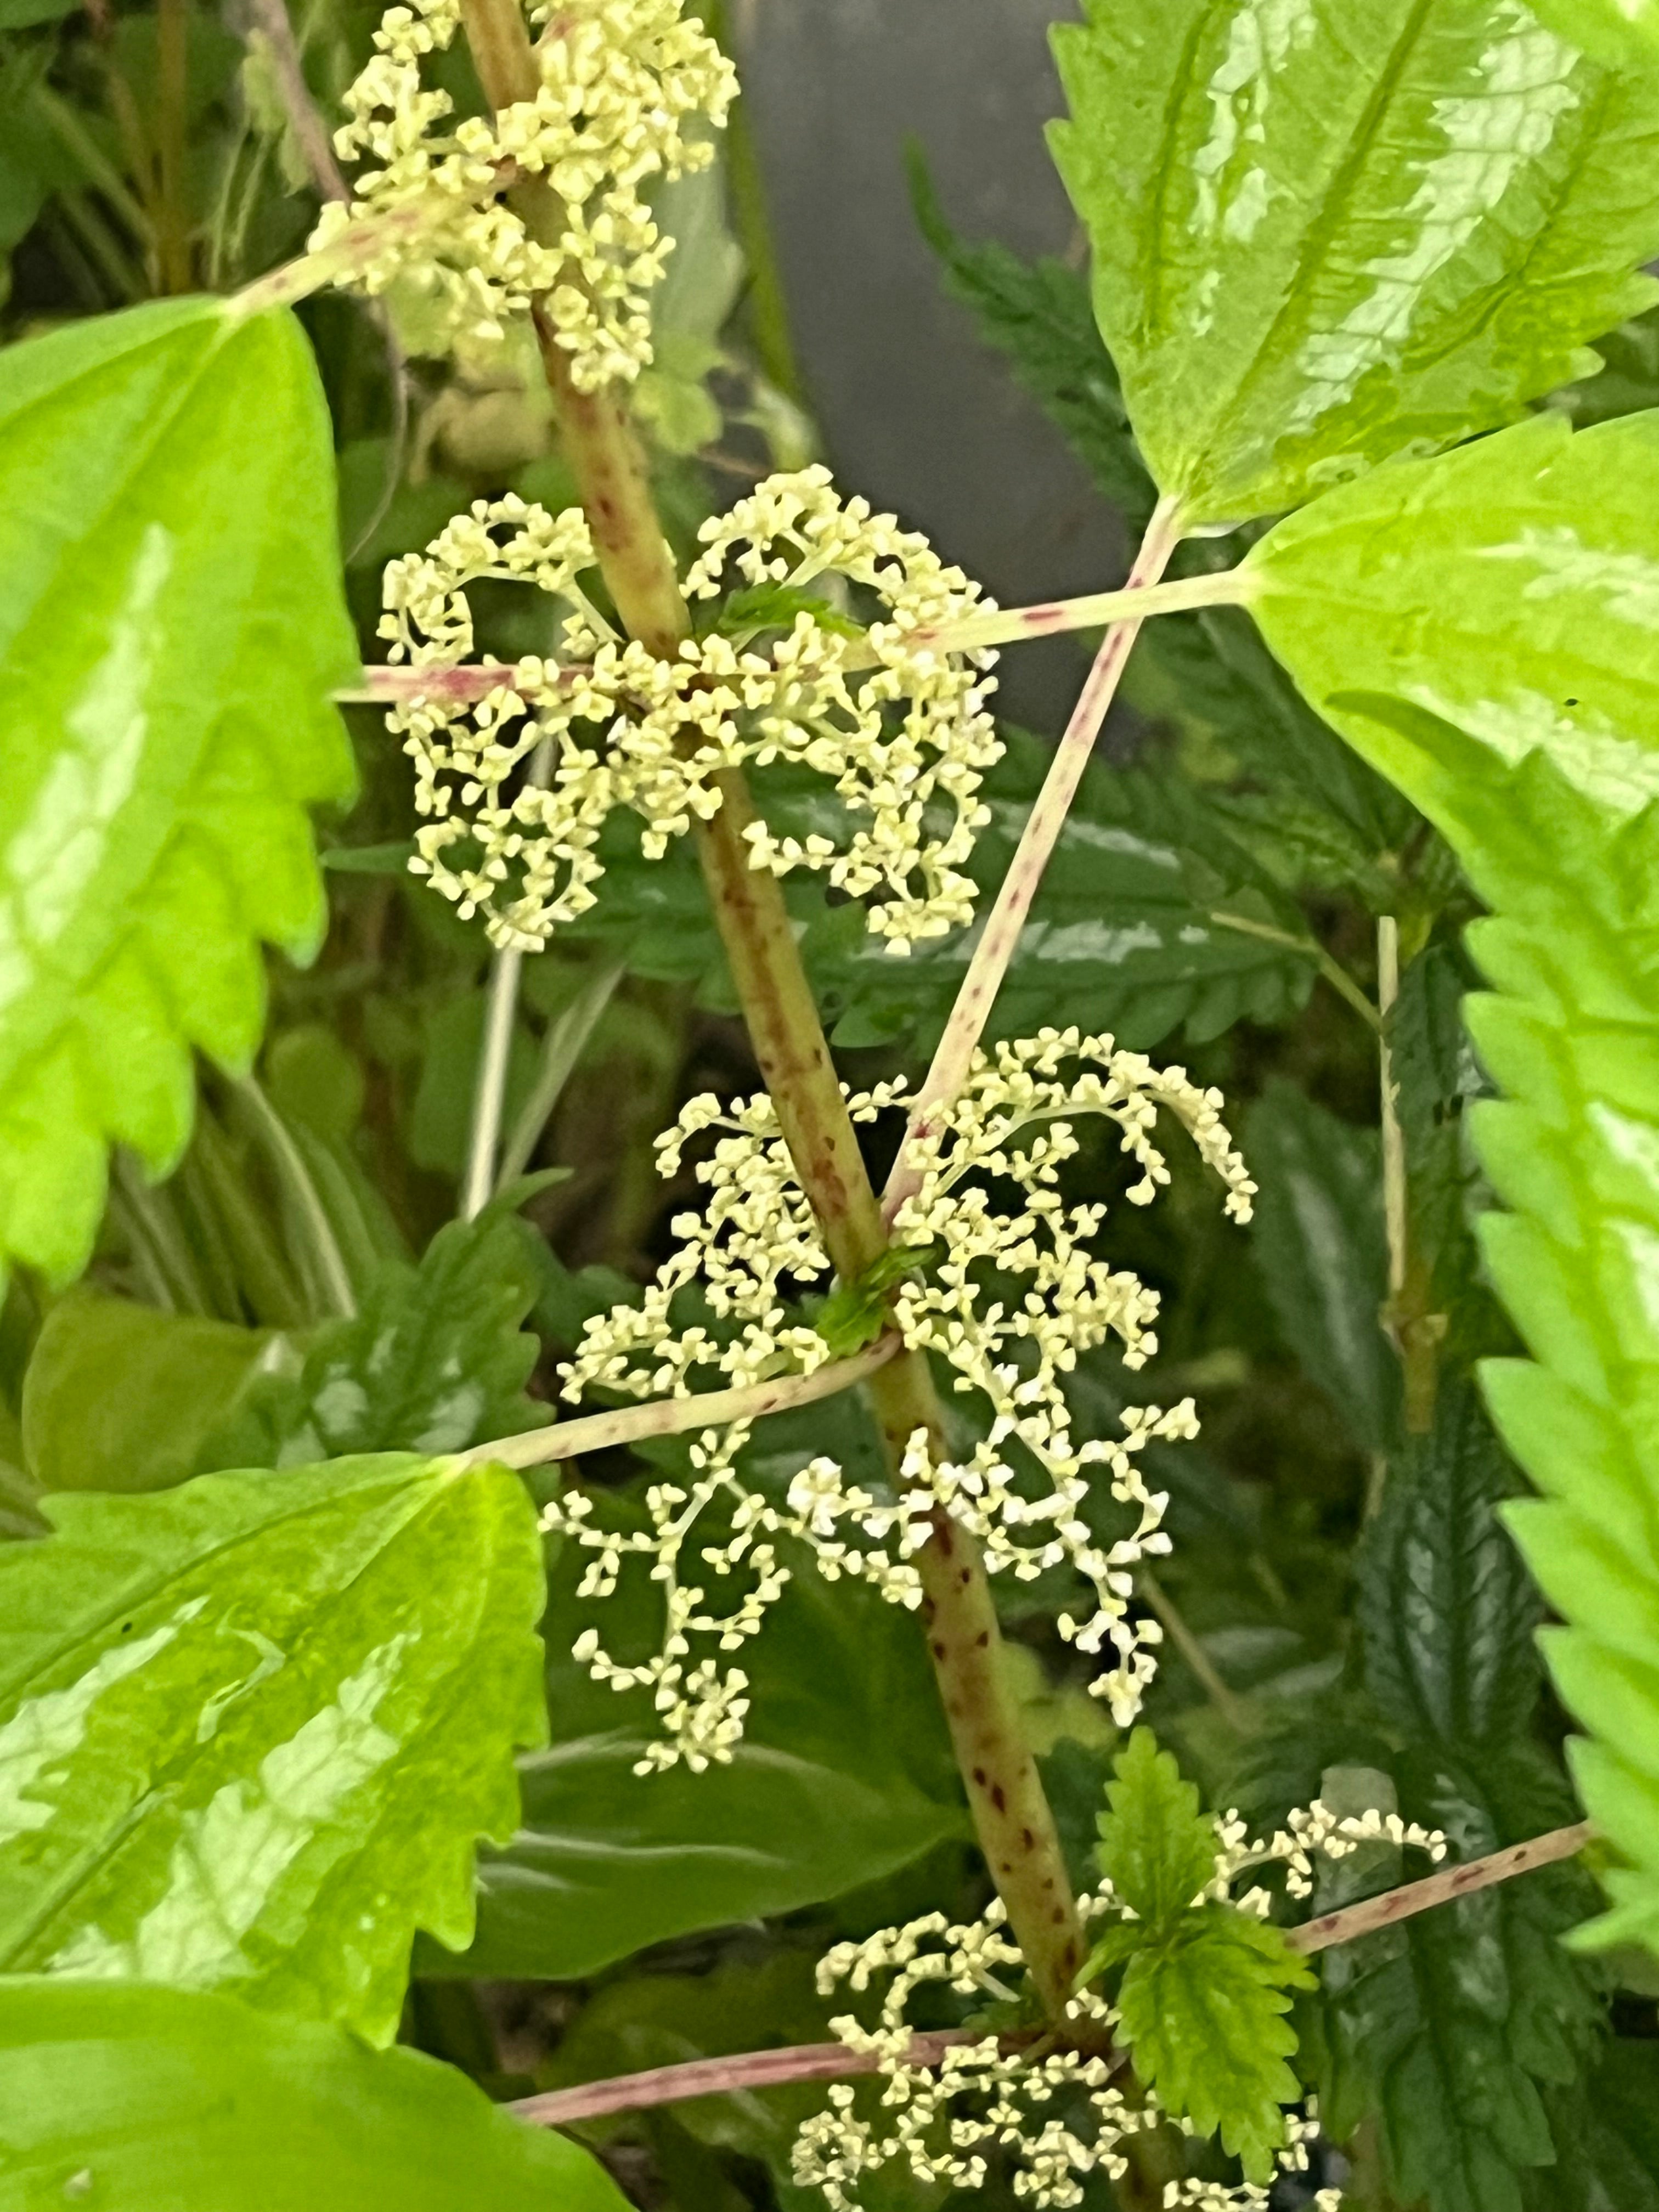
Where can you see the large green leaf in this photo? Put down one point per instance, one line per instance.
(145, 2099)
(1511, 588)
(249, 1728)
(171, 628)
(1325, 236)
(1323, 1250)
(1443, 677)
(1453, 2026)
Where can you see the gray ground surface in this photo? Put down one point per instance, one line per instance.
(916, 413)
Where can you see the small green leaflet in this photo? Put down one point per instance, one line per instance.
(1203, 2013)
(854, 1313)
(133, 2099)
(251, 1729)
(166, 723)
(1204, 1987)
(1156, 1849)
(1325, 236)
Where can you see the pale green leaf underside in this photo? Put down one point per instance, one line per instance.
(171, 626)
(135, 2099)
(1327, 233)
(251, 1729)
(1483, 628)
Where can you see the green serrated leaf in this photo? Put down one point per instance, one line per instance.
(250, 1729)
(1204, 2015)
(1453, 2025)
(773, 606)
(174, 625)
(436, 1360)
(1446, 1610)
(1322, 1249)
(1325, 236)
(134, 2100)
(1563, 678)
(1510, 589)
(1156, 1849)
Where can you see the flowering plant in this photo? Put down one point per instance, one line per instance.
(723, 1604)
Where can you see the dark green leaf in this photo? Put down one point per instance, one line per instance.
(1452, 2026)
(1326, 236)
(167, 723)
(1446, 1610)
(1607, 2134)
(843, 1775)
(138, 2100)
(250, 1729)
(436, 1361)
(120, 1396)
(1322, 1249)
(1203, 2016)
(1156, 1849)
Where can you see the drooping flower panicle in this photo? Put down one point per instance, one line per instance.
(942, 2120)
(621, 80)
(901, 730)
(1023, 1490)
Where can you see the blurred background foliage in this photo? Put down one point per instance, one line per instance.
(301, 1287)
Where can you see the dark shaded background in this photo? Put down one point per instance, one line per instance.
(916, 413)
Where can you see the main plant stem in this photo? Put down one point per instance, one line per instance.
(1011, 1815)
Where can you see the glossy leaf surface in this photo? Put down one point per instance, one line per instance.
(251, 1729)
(133, 2099)
(1325, 236)
(1446, 1608)
(172, 626)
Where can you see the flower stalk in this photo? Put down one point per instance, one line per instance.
(1012, 1818)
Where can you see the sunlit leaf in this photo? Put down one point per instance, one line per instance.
(1156, 1849)
(1324, 235)
(135, 2099)
(251, 1729)
(172, 627)
(1203, 2014)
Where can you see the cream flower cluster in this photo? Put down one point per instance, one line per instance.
(942, 2120)
(1023, 1490)
(900, 728)
(620, 79)
(1309, 1831)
